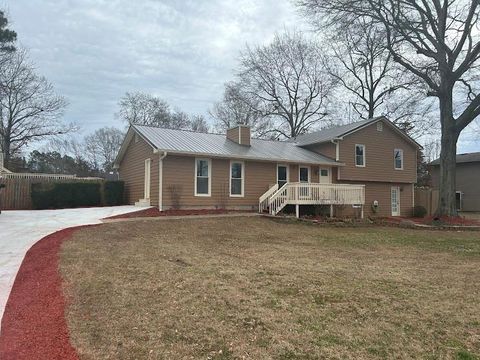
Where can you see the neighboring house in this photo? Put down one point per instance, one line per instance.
(365, 167)
(467, 180)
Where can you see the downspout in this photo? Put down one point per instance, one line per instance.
(337, 153)
(160, 179)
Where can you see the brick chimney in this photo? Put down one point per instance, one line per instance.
(239, 134)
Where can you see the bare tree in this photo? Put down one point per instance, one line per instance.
(145, 109)
(199, 124)
(438, 42)
(362, 65)
(236, 108)
(30, 109)
(286, 83)
(102, 147)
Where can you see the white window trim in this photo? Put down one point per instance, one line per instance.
(401, 157)
(288, 171)
(209, 178)
(242, 178)
(309, 173)
(461, 200)
(364, 155)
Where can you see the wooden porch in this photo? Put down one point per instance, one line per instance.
(303, 193)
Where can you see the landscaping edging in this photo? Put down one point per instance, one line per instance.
(34, 324)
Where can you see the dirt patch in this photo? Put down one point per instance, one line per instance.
(257, 288)
(154, 212)
(33, 325)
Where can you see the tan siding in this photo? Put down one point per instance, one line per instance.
(467, 181)
(179, 171)
(132, 171)
(245, 135)
(382, 193)
(379, 147)
(327, 149)
(232, 134)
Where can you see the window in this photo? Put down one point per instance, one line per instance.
(282, 175)
(458, 200)
(304, 174)
(398, 159)
(379, 126)
(324, 172)
(236, 178)
(203, 168)
(360, 155)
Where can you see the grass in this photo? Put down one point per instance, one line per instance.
(254, 288)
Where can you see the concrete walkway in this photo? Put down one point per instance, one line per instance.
(19, 230)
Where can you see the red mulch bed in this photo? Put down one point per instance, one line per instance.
(34, 325)
(154, 212)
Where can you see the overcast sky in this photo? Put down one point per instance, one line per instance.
(94, 51)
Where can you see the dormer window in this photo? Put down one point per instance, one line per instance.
(360, 155)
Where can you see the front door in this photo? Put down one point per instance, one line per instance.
(304, 177)
(395, 197)
(282, 175)
(148, 164)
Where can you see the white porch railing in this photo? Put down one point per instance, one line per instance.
(313, 194)
(263, 201)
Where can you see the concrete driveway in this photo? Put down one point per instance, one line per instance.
(19, 230)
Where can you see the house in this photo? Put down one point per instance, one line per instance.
(467, 180)
(364, 168)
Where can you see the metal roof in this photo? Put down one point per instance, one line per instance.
(189, 142)
(331, 133)
(462, 158)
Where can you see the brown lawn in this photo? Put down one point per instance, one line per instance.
(255, 288)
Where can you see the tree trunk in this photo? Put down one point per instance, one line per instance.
(447, 191)
(6, 154)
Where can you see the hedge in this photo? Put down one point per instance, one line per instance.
(113, 192)
(59, 195)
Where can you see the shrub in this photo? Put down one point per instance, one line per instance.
(65, 195)
(113, 192)
(419, 211)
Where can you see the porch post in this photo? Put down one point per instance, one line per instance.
(331, 210)
(362, 212)
(297, 210)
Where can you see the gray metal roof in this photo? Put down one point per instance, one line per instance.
(462, 158)
(189, 142)
(331, 133)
